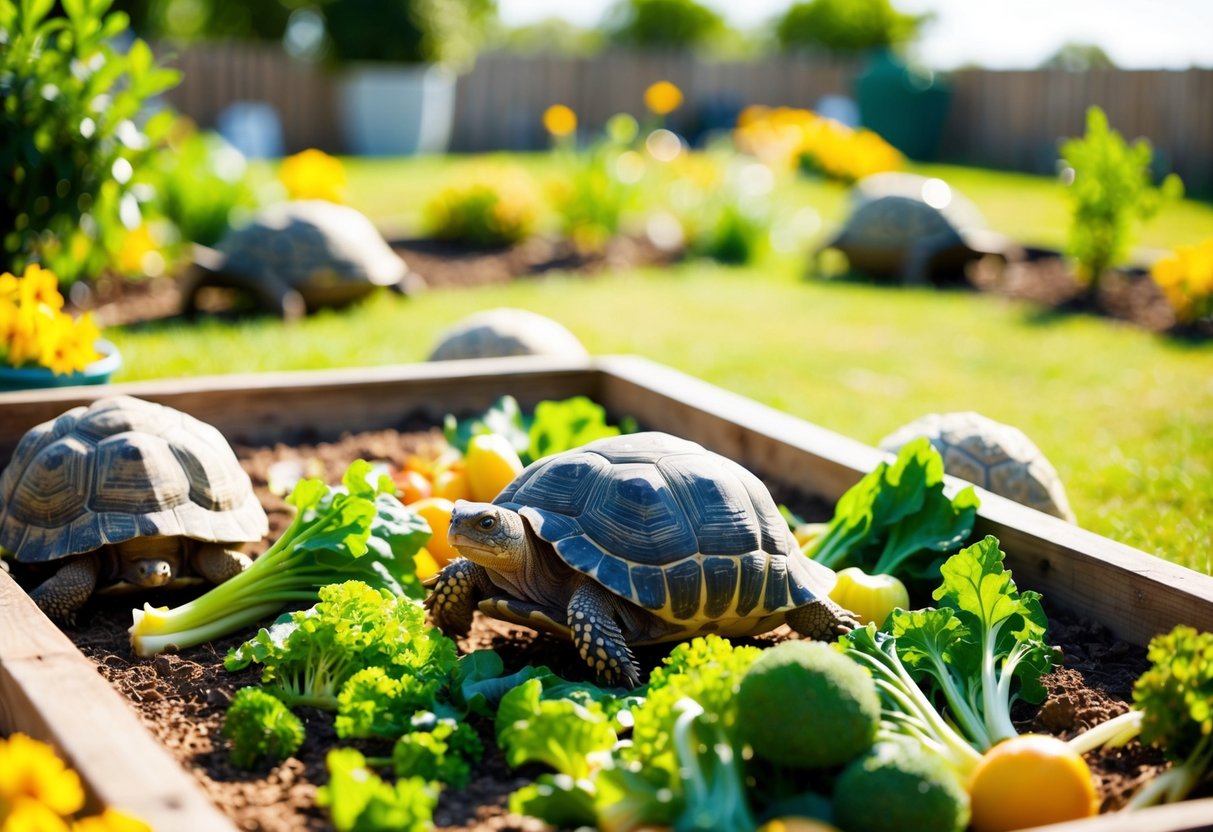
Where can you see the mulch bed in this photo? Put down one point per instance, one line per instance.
(181, 698)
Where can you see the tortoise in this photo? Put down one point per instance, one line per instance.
(299, 256)
(125, 494)
(505, 331)
(998, 457)
(913, 229)
(631, 540)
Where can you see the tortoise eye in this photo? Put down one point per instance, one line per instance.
(486, 523)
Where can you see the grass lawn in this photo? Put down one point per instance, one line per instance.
(1126, 417)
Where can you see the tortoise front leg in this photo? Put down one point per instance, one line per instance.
(822, 620)
(598, 637)
(458, 590)
(215, 563)
(63, 594)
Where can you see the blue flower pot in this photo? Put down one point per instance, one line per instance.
(33, 378)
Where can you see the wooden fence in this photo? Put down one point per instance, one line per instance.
(1002, 119)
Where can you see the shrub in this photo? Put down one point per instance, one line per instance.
(792, 137)
(1110, 187)
(598, 184)
(1186, 278)
(486, 207)
(70, 145)
(845, 25)
(664, 24)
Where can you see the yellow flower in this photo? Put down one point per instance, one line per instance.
(31, 771)
(28, 815)
(41, 286)
(111, 820)
(34, 329)
(559, 120)
(663, 98)
(313, 174)
(136, 246)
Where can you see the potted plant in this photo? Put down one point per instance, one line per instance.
(396, 93)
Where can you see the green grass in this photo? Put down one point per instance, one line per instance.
(1125, 416)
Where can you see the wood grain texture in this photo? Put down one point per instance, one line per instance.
(51, 692)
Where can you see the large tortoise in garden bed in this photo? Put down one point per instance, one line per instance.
(914, 230)
(630, 540)
(297, 257)
(123, 494)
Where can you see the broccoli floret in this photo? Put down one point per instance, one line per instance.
(899, 785)
(818, 680)
(260, 728)
(438, 749)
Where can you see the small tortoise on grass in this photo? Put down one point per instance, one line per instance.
(634, 539)
(999, 458)
(505, 331)
(125, 493)
(297, 257)
(913, 229)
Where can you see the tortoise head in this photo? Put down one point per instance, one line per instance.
(148, 561)
(489, 535)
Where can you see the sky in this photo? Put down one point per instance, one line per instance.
(1002, 34)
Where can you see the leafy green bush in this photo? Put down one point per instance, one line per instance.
(485, 207)
(208, 19)
(664, 24)
(845, 25)
(598, 186)
(1109, 189)
(70, 143)
(408, 31)
(199, 183)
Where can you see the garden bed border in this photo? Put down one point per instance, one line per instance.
(44, 678)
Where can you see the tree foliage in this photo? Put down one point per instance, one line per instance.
(845, 25)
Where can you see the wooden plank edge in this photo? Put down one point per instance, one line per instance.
(1188, 816)
(56, 695)
(1141, 595)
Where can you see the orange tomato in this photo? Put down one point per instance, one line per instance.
(492, 463)
(1030, 780)
(452, 484)
(412, 485)
(437, 512)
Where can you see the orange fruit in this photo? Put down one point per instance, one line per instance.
(492, 463)
(452, 484)
(1030, 780)
(413, 486)
(437, 512)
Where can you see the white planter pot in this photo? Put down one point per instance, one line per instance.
(396, 109)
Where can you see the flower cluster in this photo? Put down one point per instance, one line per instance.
(34, 329)
(663, 98)
(39, 793)
(787, 137)
(488, 205)
(1186, 278)
(313, 174)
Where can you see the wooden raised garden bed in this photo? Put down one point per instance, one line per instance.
(49, 690)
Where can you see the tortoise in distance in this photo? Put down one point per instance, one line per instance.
(630, 540)
(297, 257)
(915, 230)
(125, 494)
(505, 331)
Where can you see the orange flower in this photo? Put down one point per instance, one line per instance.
(559, 120)
(663, 98)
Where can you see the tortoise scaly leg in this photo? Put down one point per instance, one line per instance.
(217, 564)
(460, 587)
(822, 620)
(597, 635)
(63, 594)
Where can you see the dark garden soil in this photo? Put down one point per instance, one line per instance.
(181, 698)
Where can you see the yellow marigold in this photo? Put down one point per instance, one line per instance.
(31, 771)
(111, 820)
(313, 174)
(28, 815)
(40, 286)
(559, 120)
(34, 329)
(663, 98)
(1186, 278)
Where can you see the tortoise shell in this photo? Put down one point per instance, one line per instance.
(119, 469)
(503, 332)
(995, 456)
(676, 529)
(316, 247)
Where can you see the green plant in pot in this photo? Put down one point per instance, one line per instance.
(398, 61)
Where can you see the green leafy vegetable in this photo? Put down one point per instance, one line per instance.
(559, 800)
(555, 426)
(362, 533)
(308, 656)
(983, 647)
(1175, 697)
(260, 728)
(897, 520)
(709, 762)
(559, 733)
(358, 801)
(437, 749)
